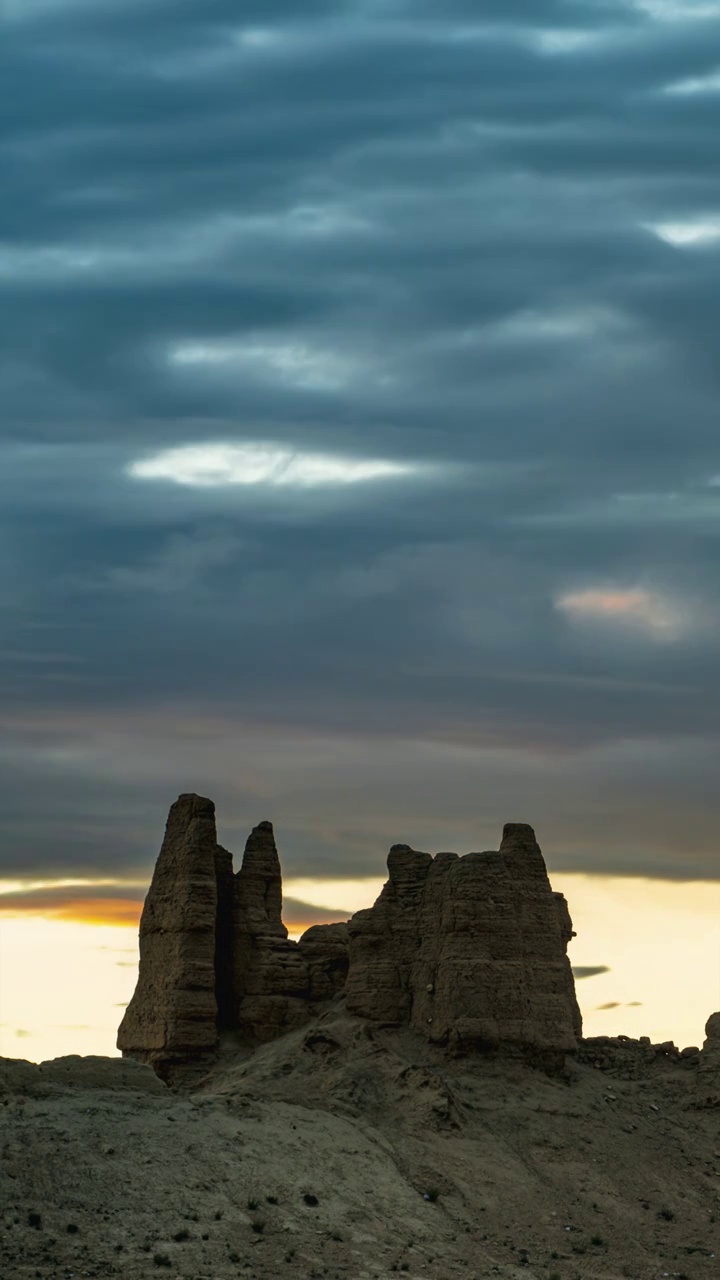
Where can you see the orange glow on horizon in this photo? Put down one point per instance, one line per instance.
(100, 911)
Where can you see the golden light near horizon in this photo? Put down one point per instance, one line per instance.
(654, 944)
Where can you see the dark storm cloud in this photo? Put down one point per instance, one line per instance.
(411, 233)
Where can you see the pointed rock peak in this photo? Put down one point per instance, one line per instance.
(521, 853)
(518, 836)
(259, 882)
(261, 850)
(407, 866)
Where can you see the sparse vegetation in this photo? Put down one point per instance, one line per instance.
(258, 1225)
(161, 1260)
(252, 1203)
(183, 1234)
(598, 1241)
(667, 1214)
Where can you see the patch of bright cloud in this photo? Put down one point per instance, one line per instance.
(633, 607)
(559, 325)
(687, 234)
(693, 85)
(298, 364)
(679, 10)
(210, 465)
(560, 41)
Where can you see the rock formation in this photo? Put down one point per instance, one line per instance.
(271, 979)
(173, 1014)
(470, 952)
(708, 1076)
(215, 955)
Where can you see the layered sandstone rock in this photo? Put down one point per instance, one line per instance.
(469, 951)
(215, 956)
(172, 1016)
(270, 976)
(324, 948)
(708, 1076)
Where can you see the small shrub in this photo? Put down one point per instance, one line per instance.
(35, 1220)
(218, 1214)
(289, 1255)
(310, 1199)
(433, 1194)
(554, 1275)
(161, 1260)
(184, 1234)
(598, 1240)
(253, 1203)
(205, 1236)
(258, 1225)
(72, 1228)
(234, 1257)
(667, 1214)
(271, 1199)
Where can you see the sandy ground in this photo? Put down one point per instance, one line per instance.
(315, 1158)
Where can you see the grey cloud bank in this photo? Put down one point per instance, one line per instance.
(395, 237)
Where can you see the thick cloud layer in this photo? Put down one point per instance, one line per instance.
(360, 458)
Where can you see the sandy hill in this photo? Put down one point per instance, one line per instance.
(344, 1150)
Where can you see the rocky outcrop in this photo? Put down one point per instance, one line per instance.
(708, 1076)
(173, 1015)
(471, 952)
(270, 976)
(215, 956)
(324, 948)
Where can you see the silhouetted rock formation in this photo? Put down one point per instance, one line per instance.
(173, 1014)
(271, 978)
(708, 1076)
(470, 952)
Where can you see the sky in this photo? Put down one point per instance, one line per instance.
(360, 463)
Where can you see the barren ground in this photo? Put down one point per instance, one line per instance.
(314, 1158)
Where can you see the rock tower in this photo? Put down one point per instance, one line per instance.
(469, 952)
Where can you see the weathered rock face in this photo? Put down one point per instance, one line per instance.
(708, 1076)
(215, 955)
(172, 1016)
(270, 976)
(324, 948)
(469, 951)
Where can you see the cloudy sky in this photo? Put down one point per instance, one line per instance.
(360, 451)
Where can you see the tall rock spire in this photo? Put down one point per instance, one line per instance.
(173, 1013)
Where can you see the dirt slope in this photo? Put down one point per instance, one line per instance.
(314, 1158)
